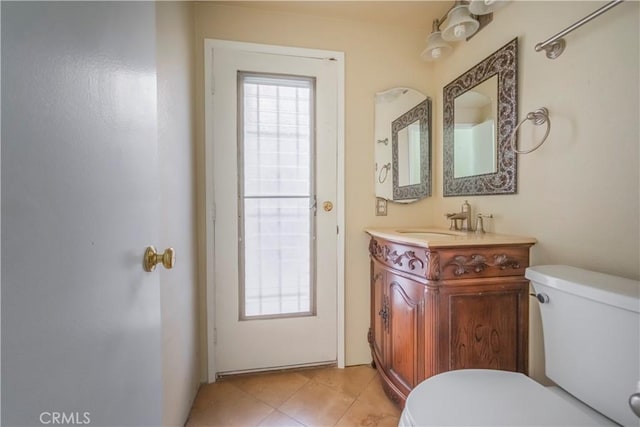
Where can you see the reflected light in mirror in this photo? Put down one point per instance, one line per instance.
(409, 154)
(475, 144)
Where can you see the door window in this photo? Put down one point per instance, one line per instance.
(276, 195)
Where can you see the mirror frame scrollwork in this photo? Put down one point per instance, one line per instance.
(504, 64)
(421, 112)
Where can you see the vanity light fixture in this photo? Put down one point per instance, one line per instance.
(436, 47)
(463, 20)
(483, 7)
(460, 23)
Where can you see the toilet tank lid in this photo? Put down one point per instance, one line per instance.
(605, 288)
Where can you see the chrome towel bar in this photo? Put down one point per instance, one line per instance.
(555, 45)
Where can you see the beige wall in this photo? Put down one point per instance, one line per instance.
(578, 195)
(376, 58)
(178, 287)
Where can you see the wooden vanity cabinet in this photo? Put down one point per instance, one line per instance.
(435, 310)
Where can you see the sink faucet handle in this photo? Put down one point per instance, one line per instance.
(480, 222)
(454, 221)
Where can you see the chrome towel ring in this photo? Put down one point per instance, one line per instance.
(538, 117)
(386, 168)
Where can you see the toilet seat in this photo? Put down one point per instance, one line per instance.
(483, 397)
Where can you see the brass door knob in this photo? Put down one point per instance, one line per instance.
(327, 206)
(152, 258)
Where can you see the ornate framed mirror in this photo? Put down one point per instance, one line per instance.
(402, 145)
(480, 113)
(411, 153)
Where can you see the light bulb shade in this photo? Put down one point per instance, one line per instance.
(460, 24)
(436, 48)
(483, 7)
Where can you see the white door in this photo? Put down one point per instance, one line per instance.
(275, 132)
(80, 202)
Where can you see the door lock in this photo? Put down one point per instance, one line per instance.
(327, 206)
(151, 258)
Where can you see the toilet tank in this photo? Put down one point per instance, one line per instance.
(591, 329)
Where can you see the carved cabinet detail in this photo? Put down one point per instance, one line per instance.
(440, 309)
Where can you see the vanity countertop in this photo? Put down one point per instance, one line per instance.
(434, 237)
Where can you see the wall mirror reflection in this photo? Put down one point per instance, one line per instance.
(474, 132)
(402, 145)
(407, 140)
(480, 113)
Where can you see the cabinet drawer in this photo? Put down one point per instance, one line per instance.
(466, 263)
(404, 258)
(451, 263)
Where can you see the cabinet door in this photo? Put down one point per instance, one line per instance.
(486, 330)
(405, 330)
(379, 310)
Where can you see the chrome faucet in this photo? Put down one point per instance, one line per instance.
(454, 217)
(464, 216)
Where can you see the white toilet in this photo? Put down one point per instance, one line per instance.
(591, 328)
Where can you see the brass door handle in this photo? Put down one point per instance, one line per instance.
(327, 206)
(151, 258)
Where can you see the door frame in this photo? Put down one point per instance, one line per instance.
(209, 86)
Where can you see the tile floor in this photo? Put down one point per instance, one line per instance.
(318, 397)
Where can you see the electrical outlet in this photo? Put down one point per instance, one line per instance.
(381, 206)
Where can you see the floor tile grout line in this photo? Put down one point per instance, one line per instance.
(345, 412)
(309, 380)
(346, 384)
(355, 398)
(266, 416)
(294, 419)
(251, 395)
(285, 400)
(318, 383)
(342, 391)
(373, 377)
